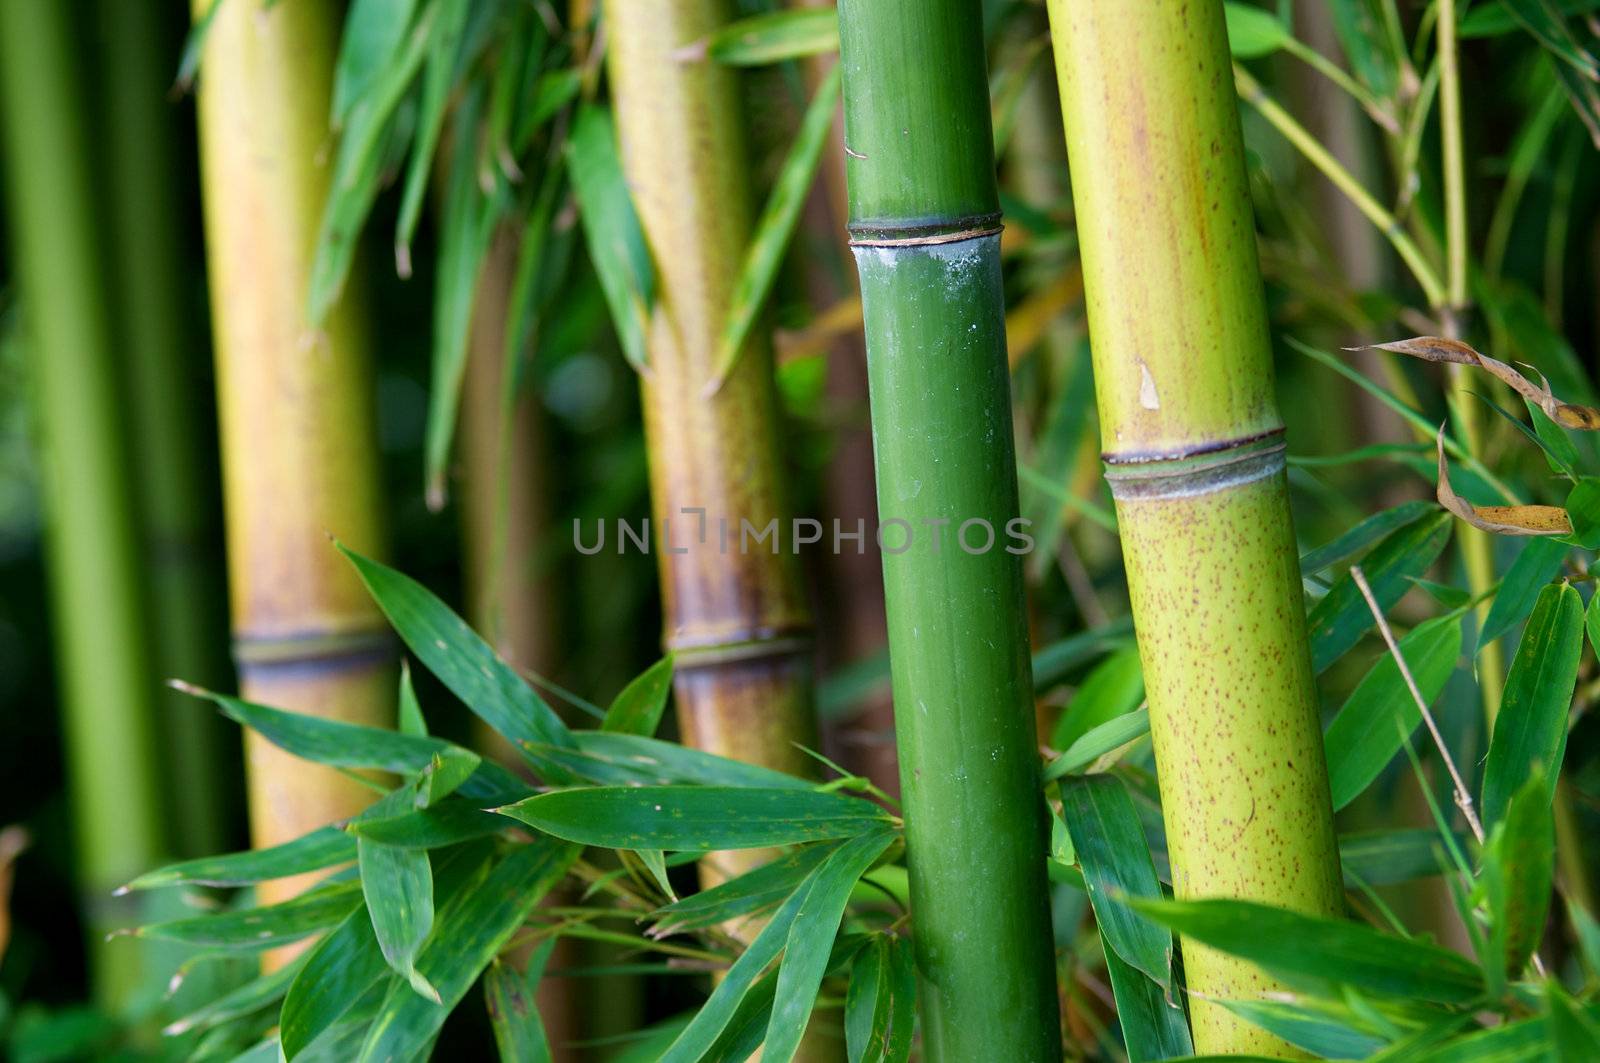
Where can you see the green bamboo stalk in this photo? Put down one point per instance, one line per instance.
(159, 359)
(102, 665)
(924, 222)
(298, 441)
(736, 621)
(1183, 373)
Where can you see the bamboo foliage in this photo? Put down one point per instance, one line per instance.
(924, 223)
(736, 621)
(295, 404)
(1194, 455)
(97, 612)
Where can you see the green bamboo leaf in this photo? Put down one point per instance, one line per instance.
(751, 893)
(1525, 1041)
(770, 38)
(637, 709)
(321, 848)
(1530, 731)
(1353, 542)
(613, 758)
(247, 999)
(265, 927)
(880, 1002)
(1583, 507)
(811, 941)
(1544, 22)
(514, 1008)
(1112, 689)
(1518, 872)
(1252, 32)
(1342, 616)
(1117, 869)
(1386, 857)
(1560, 451)
(1370, 42)
(1574, 1031)
(1097, 742)
(1380, 714)
(1326, 1029)
(612, 230)
(446, 823)
(466, 227)
(1446, 595)
(471, 930)
(398, 887)
(699, 819)
(461, 660)
(775, 228)
(1055, 662)
(552, 92)
(1152, 1027)
(1539, 563)
(1494, 19)
(348, 745)
(1322, 953)
(370, 135)
(409, 719)
(373, 33)
(444, 52)
(342, 967)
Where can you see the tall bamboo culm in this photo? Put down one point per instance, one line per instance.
(159, 353)
(1195, 458)
(295, 405)
(737, 622)
(925, 225)
(101, 658)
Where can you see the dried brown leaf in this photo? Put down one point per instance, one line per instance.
(1439, 349)
(1502, 520)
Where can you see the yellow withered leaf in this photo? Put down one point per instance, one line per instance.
(1502, 520)
(1439, 349)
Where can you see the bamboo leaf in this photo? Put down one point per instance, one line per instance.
(769, 38)
(374, 31)
(637, 709)
(1152, 1026)
(341, 968)
(1380, 714)
(1055, 662)
(1539, 563)
(1583, 509)
(444, 50)
(461, 660)
(1322, 953)
(1375, 53)
(613, 758)
(246, 999)
(471, 930)
(1113, 689)
(1495, 19)
(1519, 866)
(398, 887)
(265, 927)
(1341, 617)
(321, 848)
(1544, 22)
(446, 823)
(1574, 1031)
(1530, 731)
(1560, 451)
(698, 819)
(1097, 742)
(751, 893)
(612, 230)
(811, 940)
(1252, 32)
(1116, 869)
(1385, 857)
(1352, 543)
(880, 1002)
(514, 1009)
(1502, 520)
(773, 231)
(1438, 349)
(1325, 1029)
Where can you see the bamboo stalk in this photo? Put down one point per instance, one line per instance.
(102, 665)
(159, 362)
(736, 618)
(1183, 374)
(298, 442)
(924, 220)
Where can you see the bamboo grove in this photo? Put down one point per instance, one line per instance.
(932, 530)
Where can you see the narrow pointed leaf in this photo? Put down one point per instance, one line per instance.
(611, 757)
(1152, 1027)
(611, 227)
(1097, 742)
(265, 927)
(398, 887)
(447, 823)
(1351, 543)
(637, 709)
(1113, 688)
(1539, 563)
(770, 38)
(444, 47)
(514, 1009)
(1326, 1030)
(373, 33)
(1339, 620)
(321, 848)
(753, 892)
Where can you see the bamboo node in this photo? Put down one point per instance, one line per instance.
(1197, 471)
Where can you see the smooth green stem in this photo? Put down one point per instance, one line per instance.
(1194, 453)
(102, 665)
(160, 364)
(924, 224)
(1300, 138)
(1455, 182)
